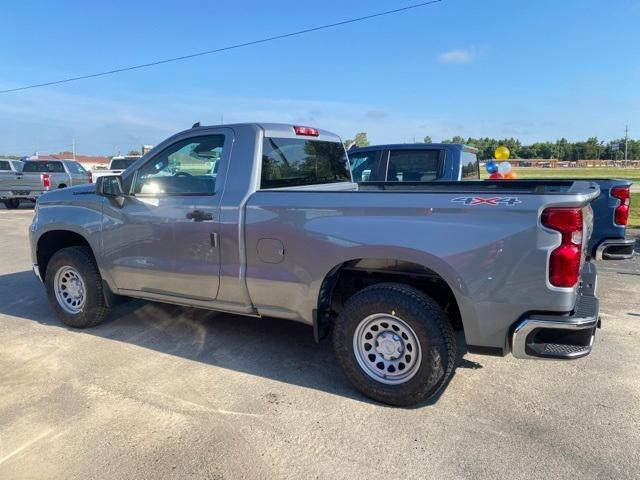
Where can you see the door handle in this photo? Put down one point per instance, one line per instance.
(199, 216)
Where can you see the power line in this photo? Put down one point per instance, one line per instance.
(222, 49)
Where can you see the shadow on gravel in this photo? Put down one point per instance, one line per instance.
(277, 349)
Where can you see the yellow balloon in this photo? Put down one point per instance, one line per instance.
(501, 153)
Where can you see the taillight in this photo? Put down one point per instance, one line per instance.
(312, 132)
(564, 262)
(621, 214)
(90, 177)
(46, 180)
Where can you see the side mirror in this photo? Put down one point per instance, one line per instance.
(110, 186)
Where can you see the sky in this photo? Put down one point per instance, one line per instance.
(535, 70)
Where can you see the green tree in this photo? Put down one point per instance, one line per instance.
(361, 139)
(133, 153)
(427, 139)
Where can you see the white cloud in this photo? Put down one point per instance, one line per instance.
(465, 55)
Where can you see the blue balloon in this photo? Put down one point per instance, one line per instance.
(491, 166)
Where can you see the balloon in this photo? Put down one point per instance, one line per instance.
(504, 167)
(491, 166)
(501, 153)
(511, 175)
(495, 176)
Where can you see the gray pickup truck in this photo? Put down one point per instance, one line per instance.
(40, 176)
(9, 168)
(265, 220)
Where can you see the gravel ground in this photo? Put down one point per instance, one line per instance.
(166, 392)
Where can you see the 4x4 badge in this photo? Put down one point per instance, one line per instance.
(487, 200)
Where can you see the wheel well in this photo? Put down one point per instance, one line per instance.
(350, 277)
(54, 241)
(62, 185)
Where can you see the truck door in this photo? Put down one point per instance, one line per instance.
(163, 240)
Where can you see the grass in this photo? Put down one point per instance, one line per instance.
(634, 213)
(632, 174)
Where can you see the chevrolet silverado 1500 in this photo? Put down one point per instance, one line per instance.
(265, 220)
(40, 176)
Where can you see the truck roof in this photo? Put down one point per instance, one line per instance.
(276, 130)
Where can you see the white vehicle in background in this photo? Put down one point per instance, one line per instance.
(118, 165)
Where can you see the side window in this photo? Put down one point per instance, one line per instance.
(75, 167)
(469, 167)
(413, 165)
(364, 166)
(4, 165)
(188, 167)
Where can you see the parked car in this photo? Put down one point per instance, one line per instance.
(116, 166)
(280, 230)
(40, 176)
(453, 162)
(9, 168)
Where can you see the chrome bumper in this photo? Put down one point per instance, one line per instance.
(561, 337)
(616, 249)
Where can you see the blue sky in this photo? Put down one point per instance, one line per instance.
(537, 70)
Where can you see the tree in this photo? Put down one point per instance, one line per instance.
(361, 139)
(133, 153)
(427, 139)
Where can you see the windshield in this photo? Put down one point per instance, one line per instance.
(122, 163)
(288, 162)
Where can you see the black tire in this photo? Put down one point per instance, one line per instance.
(12, 203)
(81, 259)
(429, 323)
(62, 185)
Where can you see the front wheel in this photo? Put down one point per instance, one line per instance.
(12, 203)
(74, 288)
(395, 344)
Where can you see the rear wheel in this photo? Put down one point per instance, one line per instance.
(74, 288)
(395, 344)
(12, 203)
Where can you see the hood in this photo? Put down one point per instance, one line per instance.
(68, 193)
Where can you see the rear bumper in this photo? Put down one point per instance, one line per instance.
(561, 337)
(616, 249)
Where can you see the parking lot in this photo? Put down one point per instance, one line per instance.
(160, 391)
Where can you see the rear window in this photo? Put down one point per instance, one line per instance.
(122, 164)
(75, 167)
(4, 165)
(413, 166)
(469, 166)
(288, 162)
(43, 167)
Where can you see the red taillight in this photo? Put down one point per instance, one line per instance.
(90, 177)
(621, 214)
(46, 180)
(311, 132)
(564, 262)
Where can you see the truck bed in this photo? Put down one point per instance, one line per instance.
(524, 187)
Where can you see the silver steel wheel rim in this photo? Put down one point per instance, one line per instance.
(70, 290)
(387, 348)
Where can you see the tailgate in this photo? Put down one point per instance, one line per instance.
(27, 182)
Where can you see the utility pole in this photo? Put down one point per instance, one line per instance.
(626, 141)
(73, 148)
